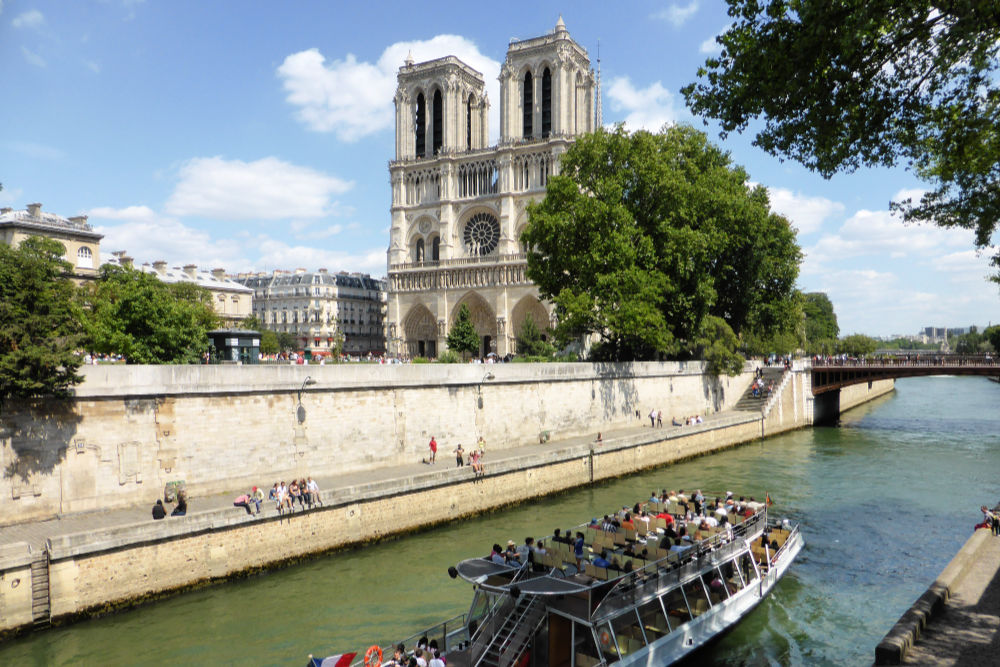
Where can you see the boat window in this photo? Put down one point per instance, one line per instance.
(654, 621)
(747, 568)
(696, 596)
(718, 591)
(480, 605)
(676, 607)
(734, 579)
(628, 633)
(584, 649)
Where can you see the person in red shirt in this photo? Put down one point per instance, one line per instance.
(434, 449)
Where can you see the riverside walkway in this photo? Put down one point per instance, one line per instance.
(36, 533)
(967, 632)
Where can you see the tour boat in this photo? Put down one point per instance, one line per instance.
(661, 609)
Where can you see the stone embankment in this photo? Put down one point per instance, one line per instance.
(89, 562)
(957, 619)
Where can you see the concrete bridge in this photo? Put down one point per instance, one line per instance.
(833, 374)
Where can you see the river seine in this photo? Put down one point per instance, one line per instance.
(885, 499)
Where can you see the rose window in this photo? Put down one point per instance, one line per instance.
(482, 234)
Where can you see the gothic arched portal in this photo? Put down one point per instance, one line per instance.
(420, 332)
(483, 319)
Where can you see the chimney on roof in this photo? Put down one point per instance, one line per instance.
(5, 209)
(322, 270)
(160, 266)
(219, 274)
(80, 220)
(191, 271)
(125, 260)
(299, 270)
(34, 210)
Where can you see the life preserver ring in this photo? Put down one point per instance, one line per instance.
(604, 637)
(373, 657)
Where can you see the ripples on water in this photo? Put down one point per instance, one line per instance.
(885, 500)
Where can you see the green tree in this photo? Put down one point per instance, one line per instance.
(148, 321)
(286, 341)
(843, 84)
(530, 342)
(463, 337)
(40, 321)
(821, 325)
(269, 342)
(718, 344)
(337, 346)
(857, 345)
(992, 334)
(642, 236)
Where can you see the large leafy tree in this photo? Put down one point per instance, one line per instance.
(149, 321)
(40, 321)
(822, 329)
(842, 84)
(462, 337)
(642, 236)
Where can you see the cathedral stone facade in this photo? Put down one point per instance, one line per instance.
(458, 204)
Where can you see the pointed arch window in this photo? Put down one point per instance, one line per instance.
(529, 103)
(418, 251)
(546, 102)
(421, 126)
(436, 249)
(438, 112)
(468, 123)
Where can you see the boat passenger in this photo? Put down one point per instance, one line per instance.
(614, 564)
(540, 548)
(602, 560)
(524, 551)
(578, 549)
(436, 661)
(497, 555)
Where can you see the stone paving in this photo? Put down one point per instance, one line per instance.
(968, 631)
(35, 533)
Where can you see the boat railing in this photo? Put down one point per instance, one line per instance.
(490, 626)
(449, 635)
(514, 644)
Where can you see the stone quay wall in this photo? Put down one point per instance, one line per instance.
(131, 429)
(102, 570)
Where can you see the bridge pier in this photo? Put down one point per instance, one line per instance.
(826, 408)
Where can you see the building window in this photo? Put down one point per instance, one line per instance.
(84, 258)
(436, 249)
(546, 102)
(481, 234)
(438, 122)
(468, 123)
(421, 126)
(418, 251)
(528, 99)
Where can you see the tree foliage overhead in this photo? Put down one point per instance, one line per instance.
(842, 84)
(148, 321)
(822, 329)
(642, 236)
(531, 341)
(40, 321)
(463, 337)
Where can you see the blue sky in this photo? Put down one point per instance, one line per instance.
(256, 135)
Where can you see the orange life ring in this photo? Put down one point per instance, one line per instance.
(604, 637)
(373, 657)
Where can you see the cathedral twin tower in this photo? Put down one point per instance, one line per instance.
(458, 204)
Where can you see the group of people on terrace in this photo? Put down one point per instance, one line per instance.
(677, 521)
(656, 419)
(474, 458)
(305, 492)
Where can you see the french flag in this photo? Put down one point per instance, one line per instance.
(342, 660)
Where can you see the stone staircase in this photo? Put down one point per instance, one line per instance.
(748, 402)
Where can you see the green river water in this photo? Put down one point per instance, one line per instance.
(885, 500)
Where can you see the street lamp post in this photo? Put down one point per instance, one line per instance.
(487, 377)
(300, 412)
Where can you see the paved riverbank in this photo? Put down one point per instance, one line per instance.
(36, 533)
(957, 621)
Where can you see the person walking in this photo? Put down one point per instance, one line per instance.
(433, 445)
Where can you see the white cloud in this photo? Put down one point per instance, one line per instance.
(353, 98)
(266, 189)
(29, 19)
(909, 193)
(806, 213)
(147, 237)
(678, 15)
(881, 233)
(32, 57)
(92, 66)
(711, 47)
(36, 151)
(644, 108)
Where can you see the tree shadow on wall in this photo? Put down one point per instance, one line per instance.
(39, 432)
(714, 391)
(617, 390)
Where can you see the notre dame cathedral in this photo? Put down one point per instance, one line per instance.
(458, 204)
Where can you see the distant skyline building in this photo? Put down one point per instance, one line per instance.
(82, 243)
(458, 204)
(313, 306)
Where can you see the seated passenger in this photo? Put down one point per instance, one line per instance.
(602, 560)
(497, 555)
